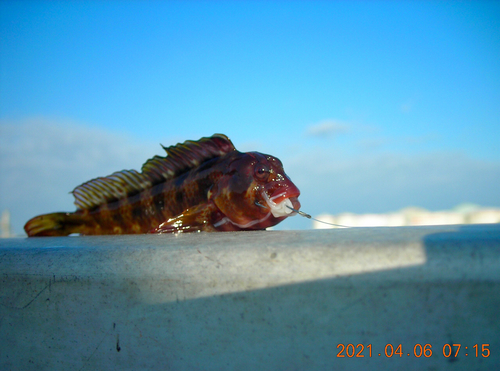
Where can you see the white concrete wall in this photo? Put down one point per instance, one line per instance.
(272, 300)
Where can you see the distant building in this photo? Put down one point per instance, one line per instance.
(462, 214)
(5, 228)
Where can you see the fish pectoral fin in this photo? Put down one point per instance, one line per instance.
(195, 219)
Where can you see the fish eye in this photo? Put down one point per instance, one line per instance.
(262, 172)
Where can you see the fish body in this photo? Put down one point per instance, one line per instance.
(204, 185)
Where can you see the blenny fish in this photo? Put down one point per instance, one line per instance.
(205, 185)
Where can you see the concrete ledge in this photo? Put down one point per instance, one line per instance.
(272, 300)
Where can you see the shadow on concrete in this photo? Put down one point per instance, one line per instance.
(90, 322)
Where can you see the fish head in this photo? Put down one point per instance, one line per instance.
(255, 193)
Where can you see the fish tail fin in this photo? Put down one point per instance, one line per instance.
(55, 224)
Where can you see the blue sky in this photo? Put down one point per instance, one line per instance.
(371, 106)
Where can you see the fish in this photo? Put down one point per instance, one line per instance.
(199, 186)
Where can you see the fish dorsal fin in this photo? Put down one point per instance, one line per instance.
(180, 158)
(185, 156)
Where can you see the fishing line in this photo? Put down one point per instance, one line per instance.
(301, 213)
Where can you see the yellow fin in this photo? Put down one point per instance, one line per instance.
(54, 224)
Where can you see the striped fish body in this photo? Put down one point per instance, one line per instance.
(204, 185)
(143, 212)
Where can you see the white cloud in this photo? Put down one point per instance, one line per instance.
(327, 128)
(42, 160)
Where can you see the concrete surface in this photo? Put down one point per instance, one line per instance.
(271, 300)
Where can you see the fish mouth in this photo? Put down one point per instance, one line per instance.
(281, 204)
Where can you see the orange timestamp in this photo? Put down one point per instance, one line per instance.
(419, 350)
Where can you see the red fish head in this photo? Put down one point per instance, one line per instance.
(254, 193)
